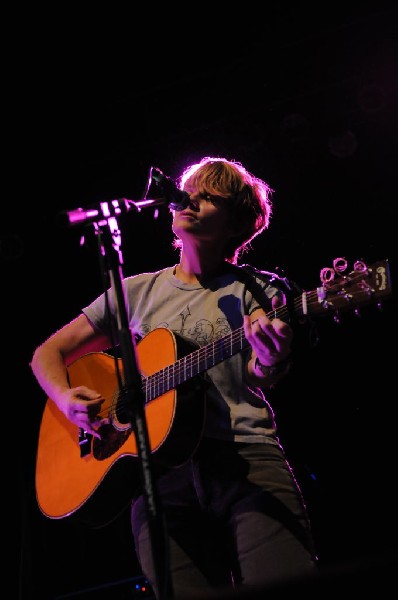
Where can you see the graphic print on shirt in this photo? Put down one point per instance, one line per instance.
(202, 333)
(184, 314)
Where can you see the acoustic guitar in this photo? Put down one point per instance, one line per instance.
(78, 474)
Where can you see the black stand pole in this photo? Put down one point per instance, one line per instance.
(104, 217)
(134, 399)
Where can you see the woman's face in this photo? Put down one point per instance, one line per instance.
(206, 218)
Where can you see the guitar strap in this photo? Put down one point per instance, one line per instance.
(291, 290)
(249, 276)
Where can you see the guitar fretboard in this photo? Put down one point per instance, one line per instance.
(194, 363)
(363, 285)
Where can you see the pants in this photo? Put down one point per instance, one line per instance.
(235, 519)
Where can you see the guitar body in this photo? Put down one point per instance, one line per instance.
(95, 478)
(77, 474)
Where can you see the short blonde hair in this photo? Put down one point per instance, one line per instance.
(249, 198)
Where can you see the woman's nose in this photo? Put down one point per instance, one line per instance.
(194, 204)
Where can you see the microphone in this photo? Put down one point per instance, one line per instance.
(172, 195)
(176, 198)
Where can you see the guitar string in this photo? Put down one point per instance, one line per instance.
(198, 361)
(159, 383)
(188, 366)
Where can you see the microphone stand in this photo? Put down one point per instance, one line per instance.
(104, 219)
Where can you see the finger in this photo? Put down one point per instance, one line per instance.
(89, 426)
(277, 301)
(275, 328)
(281, 328)
(275, 338)
(87, 393)
(247, 326)
(93, 432)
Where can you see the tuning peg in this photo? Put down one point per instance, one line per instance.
(340, 265)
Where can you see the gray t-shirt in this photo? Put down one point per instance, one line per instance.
(209, 315)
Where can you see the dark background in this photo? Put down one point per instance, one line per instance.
(307, 100)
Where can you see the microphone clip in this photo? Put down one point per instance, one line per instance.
(177, 199)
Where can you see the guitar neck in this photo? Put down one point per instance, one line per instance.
(195, 363)
(339, 293)
(204, 358)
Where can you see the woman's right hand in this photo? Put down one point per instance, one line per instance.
(82, 406)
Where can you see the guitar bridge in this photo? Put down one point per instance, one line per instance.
(84, 442)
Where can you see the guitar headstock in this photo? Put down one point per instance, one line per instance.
(348, 290)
